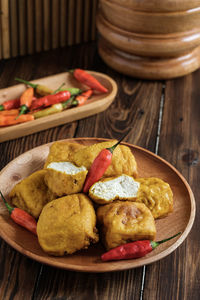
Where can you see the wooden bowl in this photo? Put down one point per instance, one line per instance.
(134, 32)
(96, 104)
(149, 164)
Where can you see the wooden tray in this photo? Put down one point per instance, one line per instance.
(97, 103)
(88, 260)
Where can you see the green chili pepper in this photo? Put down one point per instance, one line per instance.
(55, 108)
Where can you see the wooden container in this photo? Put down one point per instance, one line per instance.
(150, 39)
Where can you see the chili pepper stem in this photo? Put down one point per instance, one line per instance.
(156, 244)
(27, 82)
(23, 110)
(111, 149)
(58, 89)
(10, 208)
(1, 107)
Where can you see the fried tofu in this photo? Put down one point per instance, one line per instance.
(64, 178)
(31, 194)
(121, 187)
(123, 161)
(62, 151)
(66, 225)
(157, 195)
(153, 192)
(125, 221)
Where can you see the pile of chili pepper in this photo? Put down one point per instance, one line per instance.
(39, 101)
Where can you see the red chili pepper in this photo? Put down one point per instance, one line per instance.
(100, 165)
(21, 217)
(10, 104)
(50, 100)
(82, 98)
(26, 100)
(89, 80)
(133, 250)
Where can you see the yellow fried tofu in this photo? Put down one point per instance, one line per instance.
(67, 224)
(125, 221)
(157, 195)
(153, 192)
(62, 151)
(106, 190)
(31, 194)
(64, 178)
(123, 161)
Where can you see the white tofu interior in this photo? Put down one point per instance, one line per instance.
(122, 187)
(66, 167)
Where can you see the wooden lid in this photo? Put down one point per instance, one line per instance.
(158, 5)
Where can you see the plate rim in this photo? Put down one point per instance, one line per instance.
(116, 265)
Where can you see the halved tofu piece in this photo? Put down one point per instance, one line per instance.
(125, 221)
(153, 192)
(123, 160)
(64, 178)
(67, 224)
(62, 151)
(106, 190)
(31, 194)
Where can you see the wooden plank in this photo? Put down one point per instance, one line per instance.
(13, 274)
(14, 28)
(5, 28)
(22, 27)
(179, 144)
(30, 27)
(38, 25)
(79, 21)
(0, 35)
(93, 21)
(55, 20)
(87, 24)
(46, 25)
(106, 286)
(63, 23)
(71, 22)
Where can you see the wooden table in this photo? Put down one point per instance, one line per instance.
(165, 118)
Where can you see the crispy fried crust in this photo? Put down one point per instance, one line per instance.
(67, 225)
(156, 195)
(31, 194)
(125, 221)
(62, 151)
(123, 161)
(61, 184)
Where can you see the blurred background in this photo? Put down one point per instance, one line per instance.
(30, 26)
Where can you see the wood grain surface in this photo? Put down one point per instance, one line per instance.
(165, 119)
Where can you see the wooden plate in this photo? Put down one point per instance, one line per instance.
(88, 260)
(97, 103)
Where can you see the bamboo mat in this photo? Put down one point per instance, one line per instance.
(30, 26)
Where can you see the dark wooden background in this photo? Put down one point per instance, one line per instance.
(165, 117)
